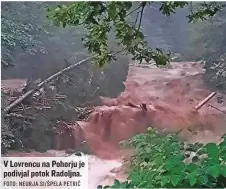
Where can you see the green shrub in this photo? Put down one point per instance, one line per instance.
(162, 161)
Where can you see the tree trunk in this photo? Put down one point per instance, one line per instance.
(32, 91)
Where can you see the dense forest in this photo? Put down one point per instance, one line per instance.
(31, 42)
(33, 49)
(41, 38)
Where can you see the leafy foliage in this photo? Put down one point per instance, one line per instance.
(80, 88)
(169, 7)
(19, 31)
(207, 42)
(206, 10)
(161, 161)
(216, 72)
(207, 38)
(100, 18)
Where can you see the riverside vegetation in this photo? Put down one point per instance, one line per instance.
(163, 161)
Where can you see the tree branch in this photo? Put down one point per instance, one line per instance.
(134, 10)
(135, 23)
(224, 112)
(141, 15)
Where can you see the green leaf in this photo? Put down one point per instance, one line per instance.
(192, 167)
(212, 150)
(214, 170)
(170, 163)
(203, 179)
(213, 160)
(179, 168)
(175, 179)
(164, 180)
(192, 178)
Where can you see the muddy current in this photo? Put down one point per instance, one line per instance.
(159, 97)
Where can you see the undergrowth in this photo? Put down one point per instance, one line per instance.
(163, 161)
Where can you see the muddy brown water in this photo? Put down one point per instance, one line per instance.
(168, 95)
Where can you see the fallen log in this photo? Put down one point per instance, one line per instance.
(197, 107)
(32, 91)
(203, 102)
